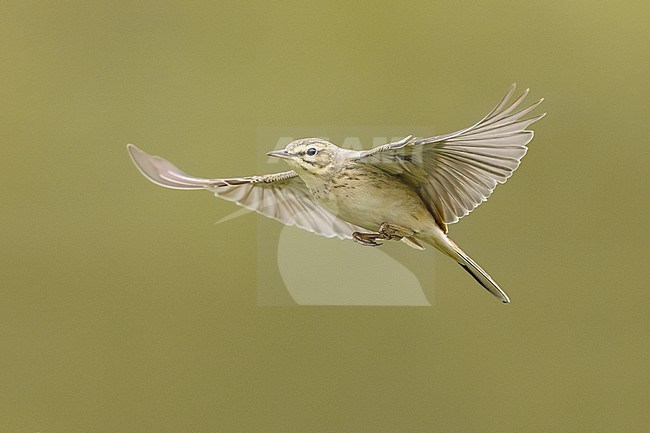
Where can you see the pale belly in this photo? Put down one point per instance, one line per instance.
(369, 203)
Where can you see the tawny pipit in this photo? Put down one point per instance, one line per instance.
(409, 190)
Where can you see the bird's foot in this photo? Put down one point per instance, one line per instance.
(387, 232)
(393, 232)
(367, 239)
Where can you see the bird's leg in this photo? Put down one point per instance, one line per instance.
(393, 232)
(367, 239)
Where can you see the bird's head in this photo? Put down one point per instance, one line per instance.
(313, 156)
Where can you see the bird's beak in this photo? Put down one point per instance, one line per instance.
(280, 154)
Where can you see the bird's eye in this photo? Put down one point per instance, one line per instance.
(311, 151)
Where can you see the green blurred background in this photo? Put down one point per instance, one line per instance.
(123, 308)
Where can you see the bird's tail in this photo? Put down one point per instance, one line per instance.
(451, 249)
(482, 277)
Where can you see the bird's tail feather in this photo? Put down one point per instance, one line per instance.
(480, 275)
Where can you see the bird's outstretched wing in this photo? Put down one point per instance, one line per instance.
(456, 172)
(281, 196)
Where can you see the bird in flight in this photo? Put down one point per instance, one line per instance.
(409, 190)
